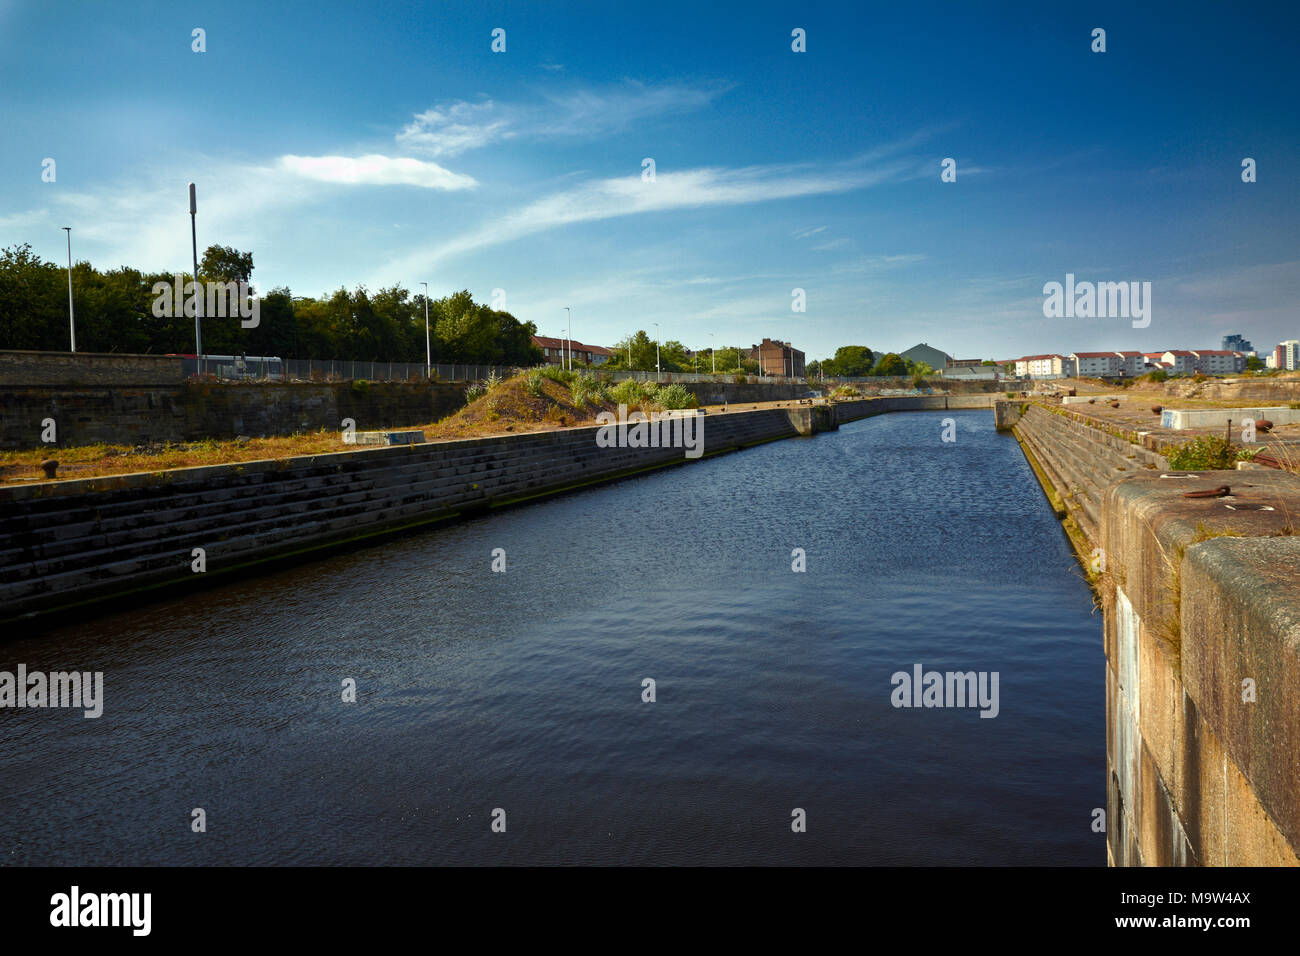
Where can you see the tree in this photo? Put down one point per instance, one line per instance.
(226, 264)
(890, 364)
(1254, 363)
(851, 361)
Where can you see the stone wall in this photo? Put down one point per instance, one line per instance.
(189, 412)
(65, 543)
(87, 368)
(1199, 596)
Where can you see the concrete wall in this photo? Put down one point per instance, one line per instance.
(189, 412)
(87, 368)
(1199, 595)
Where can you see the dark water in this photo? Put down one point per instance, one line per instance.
(523, 690)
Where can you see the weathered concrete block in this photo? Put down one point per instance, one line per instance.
(403, 437)
(1241, 623)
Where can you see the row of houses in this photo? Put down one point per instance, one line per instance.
(1129, 364)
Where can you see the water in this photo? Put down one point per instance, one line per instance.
(522, 690)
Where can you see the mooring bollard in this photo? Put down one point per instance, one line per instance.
(51, 467)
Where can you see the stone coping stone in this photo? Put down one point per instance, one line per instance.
(397, 437)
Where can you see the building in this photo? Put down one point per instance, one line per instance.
(964, 363)
(971, 373)
(1132, 363)
(1287, 355)
(556, 351)
(930, 356)
(1219, 361)
(1235, 343)
(775, 357)
(1179, 361)
(1097, 364)
(1049, 365)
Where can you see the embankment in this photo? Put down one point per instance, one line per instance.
(1201, 600)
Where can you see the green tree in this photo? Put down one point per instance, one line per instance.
(890, 363)
(1254, 363)
(851, 361)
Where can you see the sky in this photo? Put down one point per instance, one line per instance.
(351, 144)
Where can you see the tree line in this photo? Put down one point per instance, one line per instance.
(114, 312)
(858, 361)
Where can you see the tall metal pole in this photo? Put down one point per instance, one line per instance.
(428, 354)
(72, 325)
(198, 293)
(567, 309)
(713, 348)
(656, 325)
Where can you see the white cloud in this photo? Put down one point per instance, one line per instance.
(450, 129)
(376, 170)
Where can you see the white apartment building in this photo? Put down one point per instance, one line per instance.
(1181, 361)
(1219, 361)
(1289, 354)
(1132, 363)
(1044, 366)
(1096, 364)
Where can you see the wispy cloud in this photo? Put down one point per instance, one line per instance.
(453, 128)
(625, 196)
(376, 170)
(805, 233)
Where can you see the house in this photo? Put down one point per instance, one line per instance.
(556, 351)
(964, 363)
(930, 356)
(775, 357)
(1097, 364)
(1181, 361)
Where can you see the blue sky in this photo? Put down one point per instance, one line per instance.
(347, 144)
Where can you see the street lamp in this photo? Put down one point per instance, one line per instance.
(72, 325)
(428, 353)
(198, 294)
(713, 350)
(656, 325)
(567, 309)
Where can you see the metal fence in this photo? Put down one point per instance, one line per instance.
(257, 368)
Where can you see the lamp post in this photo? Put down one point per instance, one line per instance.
(72, 325)
(570, 312)
(428, 352)
(713, 350)
(656, 325)
(198, 294)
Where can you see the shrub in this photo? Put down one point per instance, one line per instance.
(626, 392)
(361, 386)
(559, 374)
(1203, 453)
(474, 393)
(533, 382)
(676, 396)
(1156, 375)
(740, 379)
